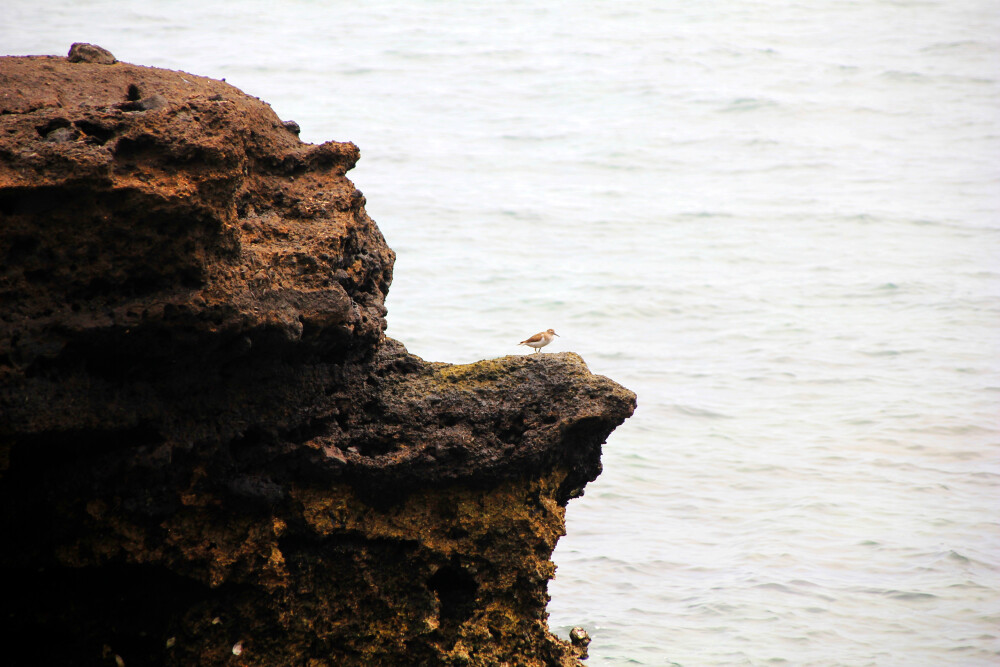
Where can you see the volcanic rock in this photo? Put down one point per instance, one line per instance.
(209, 450)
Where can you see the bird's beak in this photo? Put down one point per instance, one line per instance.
(555, 334)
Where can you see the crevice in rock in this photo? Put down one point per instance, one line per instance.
(97, 133)
(456, 591)
(52, 125)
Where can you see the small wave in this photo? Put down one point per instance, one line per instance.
(797, 167)
(966, 44)
(898, 75)
(898, 595)
(704, 214)
(713, 608)
(970, 586)
(774, 586)
(535, 136)
(910, 595)
(888, 353)
(699, 412)
(743, 104)
(952, 559)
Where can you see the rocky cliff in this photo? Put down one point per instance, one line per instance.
(209, 451)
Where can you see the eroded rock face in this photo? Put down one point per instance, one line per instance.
(174, 202)
(206, 441)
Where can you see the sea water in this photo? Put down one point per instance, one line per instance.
(778, 222)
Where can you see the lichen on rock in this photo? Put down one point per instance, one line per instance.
(207, 443)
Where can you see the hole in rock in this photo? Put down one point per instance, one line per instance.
(99, 133)
(456, 590)
(128, 147)
(375, 445)
(51, 126)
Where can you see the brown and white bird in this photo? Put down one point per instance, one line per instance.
(539, 340)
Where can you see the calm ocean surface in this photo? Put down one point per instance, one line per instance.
(778, 222)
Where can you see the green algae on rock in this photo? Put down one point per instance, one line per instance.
(209, 452)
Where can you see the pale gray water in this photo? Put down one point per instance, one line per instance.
(777, 222)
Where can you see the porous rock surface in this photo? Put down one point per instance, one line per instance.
(209, 451)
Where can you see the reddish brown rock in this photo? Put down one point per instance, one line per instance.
(206, 441)
(196, 210)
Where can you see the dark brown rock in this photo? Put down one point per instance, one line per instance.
(206, 441)
(81, 52)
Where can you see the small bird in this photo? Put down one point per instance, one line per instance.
(539, 340)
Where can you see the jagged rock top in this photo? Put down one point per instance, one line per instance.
(173, 201)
